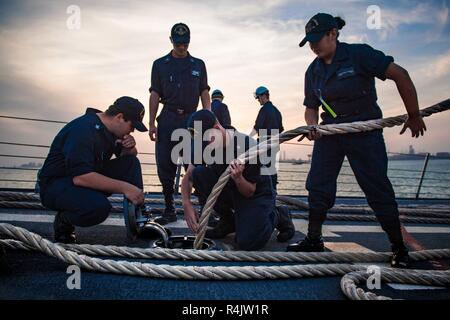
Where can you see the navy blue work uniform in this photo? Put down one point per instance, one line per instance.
(347, 85)
(84, 145)
(255, 217)
(179, 83)
(269, 118)
(221, 112)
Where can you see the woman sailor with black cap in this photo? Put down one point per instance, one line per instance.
(342, 80)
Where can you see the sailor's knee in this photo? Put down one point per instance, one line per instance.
(100, 211)
(134, 160)
(251, 242)
(130, 161)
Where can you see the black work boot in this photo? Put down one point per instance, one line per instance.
(392, 227)
(313, 242)
(224, 227)
(400, 257)
(307, 245)
(169, 214)
(64, 230)
(285, 226)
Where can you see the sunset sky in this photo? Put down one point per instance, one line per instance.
(48, 70)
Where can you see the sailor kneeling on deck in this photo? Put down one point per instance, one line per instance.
(79, 174)
(247, 204)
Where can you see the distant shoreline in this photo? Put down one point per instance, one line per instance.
(415, 157)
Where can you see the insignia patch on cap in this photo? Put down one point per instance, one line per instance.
(311, 25)
(141, 115)
(181, 30)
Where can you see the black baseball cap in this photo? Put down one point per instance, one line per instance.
(317, 27)
(132, 110)
(180, 33)
(217, 94)
(207, 119)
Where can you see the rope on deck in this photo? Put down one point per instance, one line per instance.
(425, 218)
(331, 129)
(29, 240)
(350, 281)
(33, 197)
(235, 256)
(9, 199)
(349, 217)
(422, 214)
(294, 203)
(422, 210)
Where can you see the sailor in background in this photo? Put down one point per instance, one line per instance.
(269, 122)
(219, 108)
(178, 81)
(342, 80)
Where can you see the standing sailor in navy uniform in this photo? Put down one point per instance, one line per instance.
(219, 108)
(269, 118)
(178, 80)
(78, 174)
(342, 80)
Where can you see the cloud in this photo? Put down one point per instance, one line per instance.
(244, 45)
(424, 13)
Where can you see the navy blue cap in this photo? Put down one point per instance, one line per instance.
(318, 26)
(180, 33)
(132, 110)
(207, 119)
(217, 94)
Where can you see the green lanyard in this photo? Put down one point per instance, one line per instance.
(325, 104)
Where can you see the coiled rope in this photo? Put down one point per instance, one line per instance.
(335, 215)
(31, 241)
(22, 200)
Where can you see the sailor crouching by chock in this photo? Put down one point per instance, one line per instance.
(247, 204)
(78, 174)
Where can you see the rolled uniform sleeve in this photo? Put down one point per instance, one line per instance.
(155, 80)
(311, 100)
(204, 79)
(252, 173)
(79, 153)
(373, 62)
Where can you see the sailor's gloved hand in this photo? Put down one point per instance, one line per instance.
(312, 135)
(153, 133)
(134, 194)
(416, 125)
